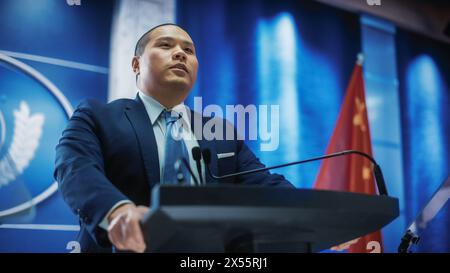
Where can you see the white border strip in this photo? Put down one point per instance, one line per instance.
(59, 62)
(41, 227)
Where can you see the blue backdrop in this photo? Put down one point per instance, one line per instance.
(299, 55)
(69, 45)
(295, 54)
(424, 74)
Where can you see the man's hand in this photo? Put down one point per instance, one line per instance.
(124, 231)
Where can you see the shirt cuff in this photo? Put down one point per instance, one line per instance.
(104, 223)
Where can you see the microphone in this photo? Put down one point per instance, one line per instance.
(197, 155)
(379, 179)
(180, 176)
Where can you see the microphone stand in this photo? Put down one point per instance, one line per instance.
(376, 168)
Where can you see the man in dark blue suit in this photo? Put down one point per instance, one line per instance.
(110, 155)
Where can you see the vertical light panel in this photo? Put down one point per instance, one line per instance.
(131, 19)
(380, 75)
(427, 85)
(276, 62)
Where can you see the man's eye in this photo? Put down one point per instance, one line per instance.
(164, 45)
(188, 49)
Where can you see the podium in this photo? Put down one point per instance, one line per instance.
(256, 219)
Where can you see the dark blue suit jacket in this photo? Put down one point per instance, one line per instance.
(108, 153)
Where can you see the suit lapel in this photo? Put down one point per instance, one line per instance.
(138, 117)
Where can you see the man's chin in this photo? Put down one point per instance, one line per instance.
(179, 83)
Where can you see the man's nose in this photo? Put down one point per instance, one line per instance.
(179, 54)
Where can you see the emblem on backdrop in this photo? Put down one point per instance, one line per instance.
(33, 113)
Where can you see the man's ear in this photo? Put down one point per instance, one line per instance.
(135, 65)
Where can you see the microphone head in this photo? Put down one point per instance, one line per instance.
(206, 156)
(196, 153)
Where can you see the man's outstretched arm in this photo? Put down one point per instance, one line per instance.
(79, 170)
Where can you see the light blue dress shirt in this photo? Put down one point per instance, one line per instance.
(154, 110)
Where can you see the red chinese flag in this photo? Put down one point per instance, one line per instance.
(352, 173)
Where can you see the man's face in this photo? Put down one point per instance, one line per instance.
(169, 62)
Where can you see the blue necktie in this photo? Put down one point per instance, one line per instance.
(175, 150)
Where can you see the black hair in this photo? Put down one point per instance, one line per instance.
(145, 38)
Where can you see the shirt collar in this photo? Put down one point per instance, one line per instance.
(154, 108)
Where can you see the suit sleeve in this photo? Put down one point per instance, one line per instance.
(79, 170)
